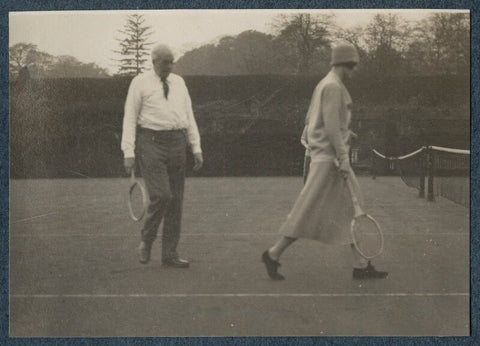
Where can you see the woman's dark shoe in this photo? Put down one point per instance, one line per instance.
(368, 273)
(272, 267)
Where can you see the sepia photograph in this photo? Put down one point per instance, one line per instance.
(260, 172)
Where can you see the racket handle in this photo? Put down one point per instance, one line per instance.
(132, 174)
(358, 211)
(352, 192)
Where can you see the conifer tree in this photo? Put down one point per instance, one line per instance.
(133, 46)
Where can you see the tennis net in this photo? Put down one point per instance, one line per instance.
(447, 170)
(449, 174)
(410, 167)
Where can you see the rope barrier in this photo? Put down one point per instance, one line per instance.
(412, 153)
(434, 147)
(391, 158)
(382, 156)
(450, 150)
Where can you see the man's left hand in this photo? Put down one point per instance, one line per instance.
(198, 158)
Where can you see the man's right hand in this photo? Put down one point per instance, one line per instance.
(128, 163)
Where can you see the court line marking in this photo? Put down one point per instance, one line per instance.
(237, 295)
(34, 217)
(134, 234)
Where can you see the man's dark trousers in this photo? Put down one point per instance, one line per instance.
(161, 156)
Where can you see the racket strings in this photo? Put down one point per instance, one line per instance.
(367, 236)
(137, 200)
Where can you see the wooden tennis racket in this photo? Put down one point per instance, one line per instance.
(137, 199)
(367, 235)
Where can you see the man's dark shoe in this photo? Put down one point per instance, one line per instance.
(144, 252)
(368, 273)
(272, 267)
(176, 263)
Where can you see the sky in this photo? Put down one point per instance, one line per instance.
(90, 36)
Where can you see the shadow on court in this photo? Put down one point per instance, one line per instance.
(74, 271)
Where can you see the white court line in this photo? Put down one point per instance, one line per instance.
(134, 234)
(34, 217)
(237, 295)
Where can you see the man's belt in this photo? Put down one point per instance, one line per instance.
(144, 129)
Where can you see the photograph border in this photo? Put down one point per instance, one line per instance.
(66, 5)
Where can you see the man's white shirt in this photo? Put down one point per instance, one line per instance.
(146, 106)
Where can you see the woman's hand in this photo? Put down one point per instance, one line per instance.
(343, 167)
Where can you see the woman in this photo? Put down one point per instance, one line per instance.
(323, 211)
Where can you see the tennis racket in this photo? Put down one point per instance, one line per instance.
(137, 198)
(367, 235)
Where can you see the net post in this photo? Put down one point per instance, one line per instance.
(430, 195)
(421, 192)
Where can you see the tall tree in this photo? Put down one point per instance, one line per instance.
(353, 35)
(440, 44)
(133, 46)
(43, 65)
(448, 38)
(302, 36)
(66, 66)
(250, 52)
(255, 52)
(40, 63)
(385, 39)
(18, 54)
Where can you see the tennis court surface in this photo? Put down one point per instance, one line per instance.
(74, 270)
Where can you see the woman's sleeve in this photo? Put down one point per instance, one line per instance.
(331, 107)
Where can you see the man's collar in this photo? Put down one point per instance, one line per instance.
(160, 78)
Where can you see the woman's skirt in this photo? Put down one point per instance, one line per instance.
(323, 211)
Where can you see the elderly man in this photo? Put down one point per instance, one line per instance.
(158, 125)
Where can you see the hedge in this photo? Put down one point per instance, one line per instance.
(250, 125)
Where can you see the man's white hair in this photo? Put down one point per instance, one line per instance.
(161, 50)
